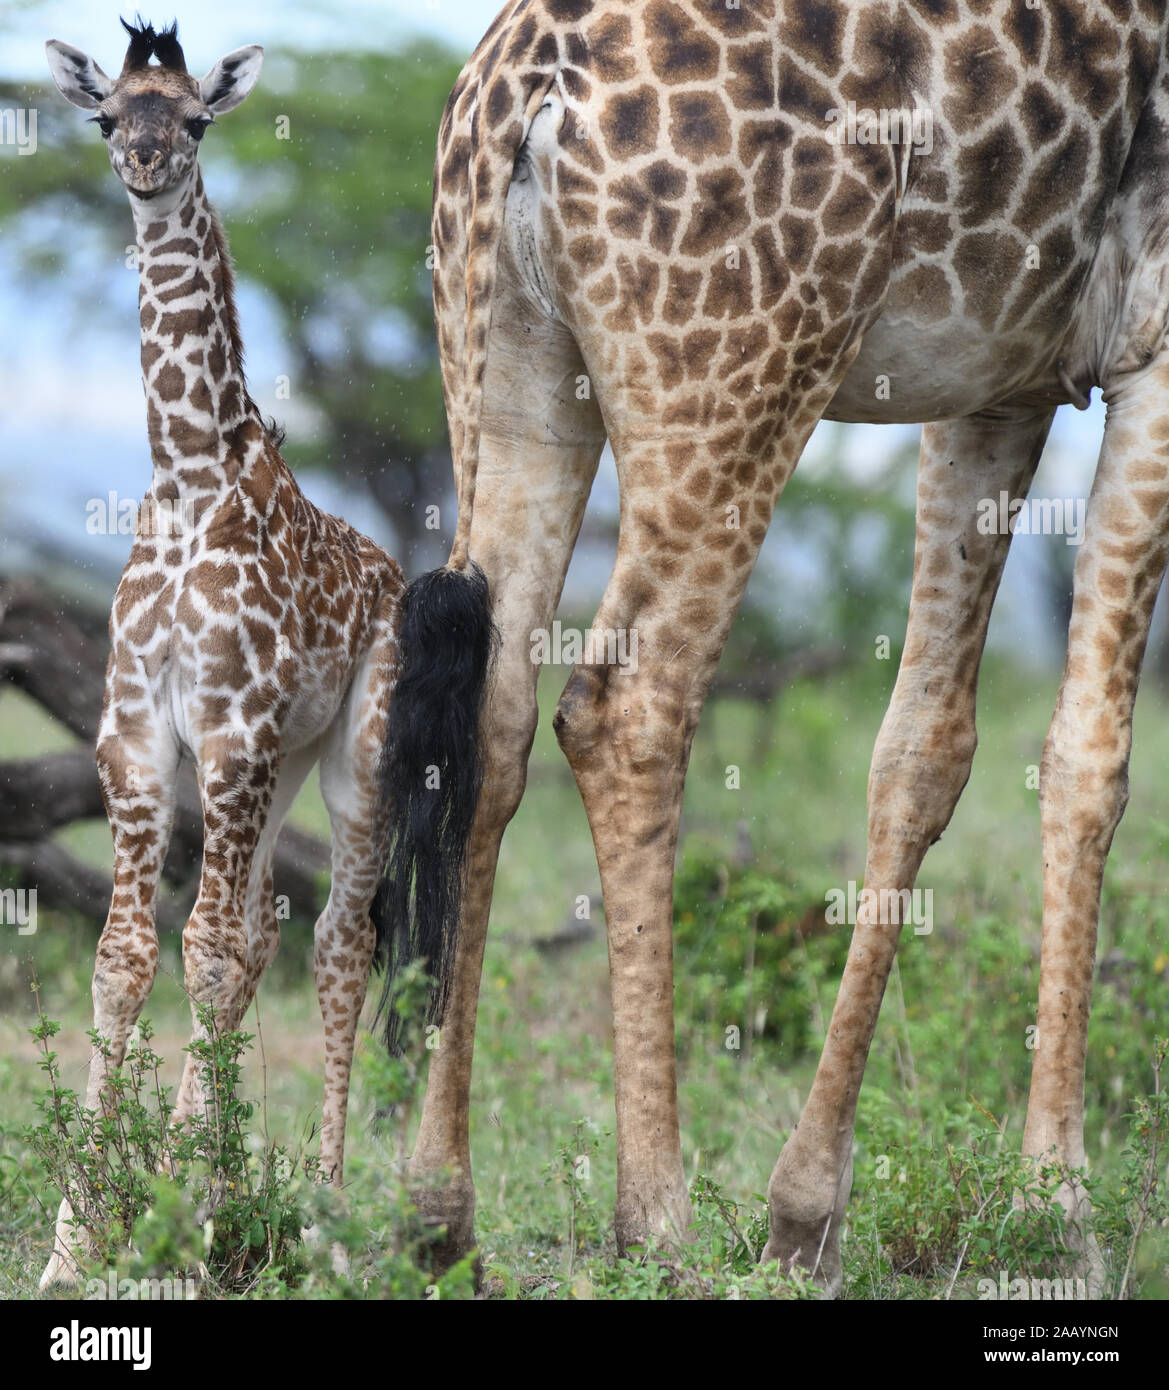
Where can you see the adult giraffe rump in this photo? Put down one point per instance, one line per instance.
(657, 199)
(258, 635)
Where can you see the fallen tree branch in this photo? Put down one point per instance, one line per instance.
(64, 883)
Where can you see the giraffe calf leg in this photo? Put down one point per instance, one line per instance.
(122, 980)
(343, 938)
(215, 975)
(237, 782)
(137, 779)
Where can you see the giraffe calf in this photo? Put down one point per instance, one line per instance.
(258, 636)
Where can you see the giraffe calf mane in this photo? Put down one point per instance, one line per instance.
(272, 429)
(147, 42)
(168, 50)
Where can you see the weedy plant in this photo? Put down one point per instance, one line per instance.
(202, 1200)
(1132, 1216)
(213, 1203)
(718, 1258)
(751, 946)
(571, 1169)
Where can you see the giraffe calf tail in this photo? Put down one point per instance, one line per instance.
(432, 774)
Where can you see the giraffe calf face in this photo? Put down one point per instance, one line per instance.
(154, 115)
(152, 129)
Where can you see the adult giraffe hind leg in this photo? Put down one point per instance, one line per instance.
(920, 765)
(1083, 779)
(684, 557)
(538, 455)
(714, 342)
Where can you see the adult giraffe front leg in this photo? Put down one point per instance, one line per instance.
(921, 763)
(1083, 779)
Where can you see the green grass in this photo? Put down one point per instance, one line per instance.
(945, 1094)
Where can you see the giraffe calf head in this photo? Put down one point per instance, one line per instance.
(153, 116)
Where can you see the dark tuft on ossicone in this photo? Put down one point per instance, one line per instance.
(146, 42)
(142, 37)
(167, 48)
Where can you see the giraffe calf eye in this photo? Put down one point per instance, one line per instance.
(106, 125)
(196, 127)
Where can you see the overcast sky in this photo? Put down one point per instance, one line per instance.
(213, 27)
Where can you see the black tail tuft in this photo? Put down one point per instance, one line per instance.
(433, 770)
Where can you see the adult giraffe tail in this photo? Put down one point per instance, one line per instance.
(432, 773)
(434, 756)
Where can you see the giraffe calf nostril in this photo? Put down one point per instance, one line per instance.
(144, 157)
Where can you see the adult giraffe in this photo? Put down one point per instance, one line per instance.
(651, 196)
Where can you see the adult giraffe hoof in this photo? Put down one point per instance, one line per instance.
(1090, 1264)
(665, 1228)
(813, 1248)
(1087, 1257)
(448, 1211)
(806, 1201)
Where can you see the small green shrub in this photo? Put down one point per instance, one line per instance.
(198, 1198)
(752, 952)
(1132, 1213)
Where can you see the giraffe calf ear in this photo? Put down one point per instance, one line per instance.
(79, 78)
(231, 79)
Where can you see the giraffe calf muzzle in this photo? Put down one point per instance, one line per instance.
(145, 160)
(144, 170)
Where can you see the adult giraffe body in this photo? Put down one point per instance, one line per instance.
(647, 195)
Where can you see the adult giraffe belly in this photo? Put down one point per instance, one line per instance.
(946, 344)
(908, 371)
